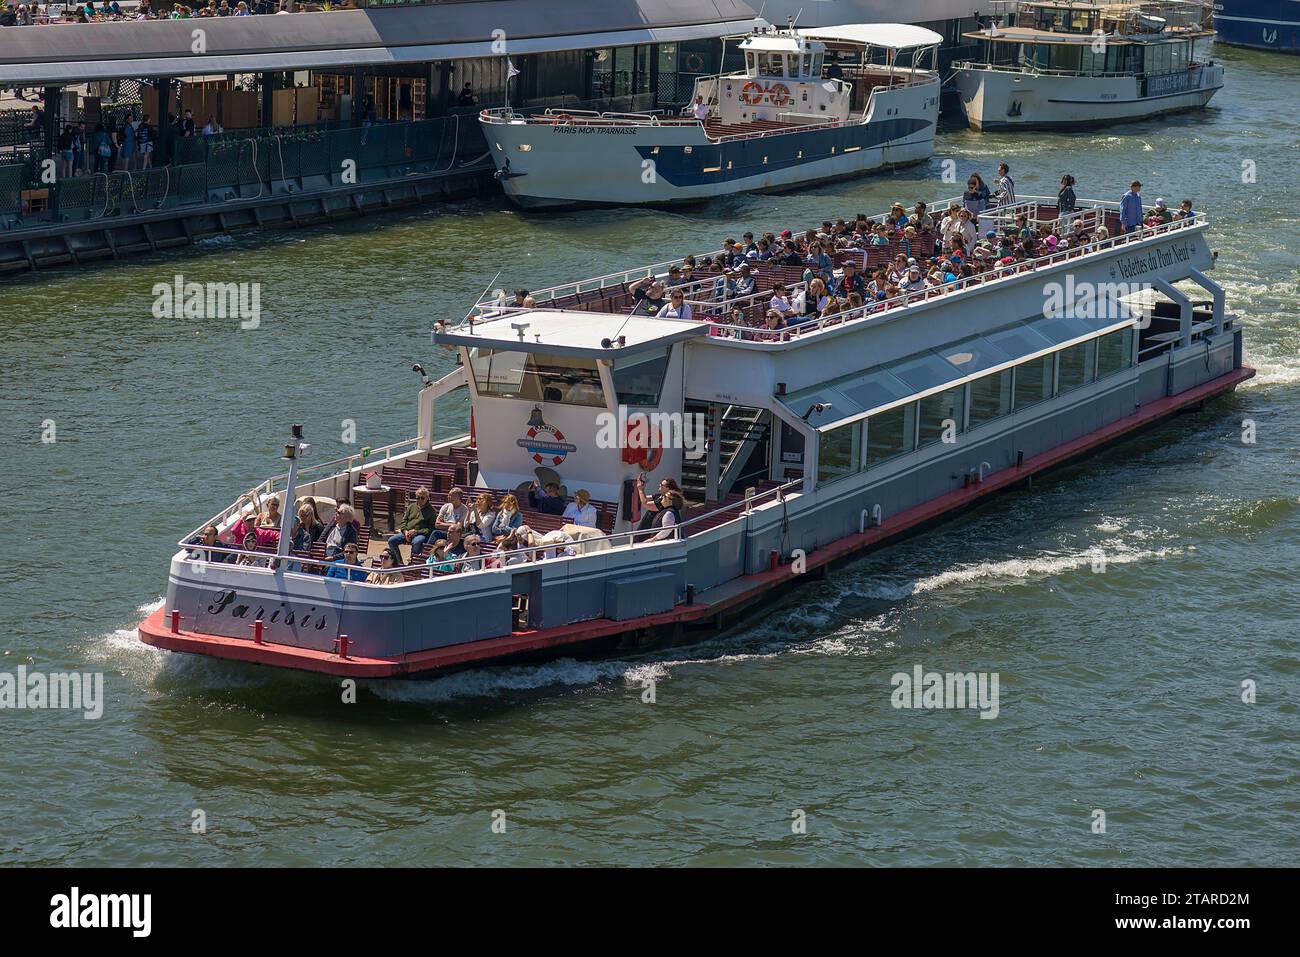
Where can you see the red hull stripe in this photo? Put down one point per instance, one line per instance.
(155, 629)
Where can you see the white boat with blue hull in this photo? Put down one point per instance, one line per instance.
(864, 424)
(786, 120)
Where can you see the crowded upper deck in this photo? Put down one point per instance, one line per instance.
(776, 286)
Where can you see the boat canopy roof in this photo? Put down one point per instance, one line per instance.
(878, 389)
(894, 36)
(570, 333)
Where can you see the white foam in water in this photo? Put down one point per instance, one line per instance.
(1271, 371)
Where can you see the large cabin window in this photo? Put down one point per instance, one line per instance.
(1033, 381)
(1114, 352)
(1076, 365)
(891, 433)
(536, 377)
(838, 452)
(942, 413)
(990, 397)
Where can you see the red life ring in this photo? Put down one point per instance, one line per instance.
(751, 93)
(778, 94)
(647, 456)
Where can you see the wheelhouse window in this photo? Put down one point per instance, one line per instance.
(638, 380)
(1033, 382)
(941, 414)
(838, 452)
(891, 433)
(536, 377)
(1076, 365)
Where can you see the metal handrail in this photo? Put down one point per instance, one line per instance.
(761, 335)
(746, 503)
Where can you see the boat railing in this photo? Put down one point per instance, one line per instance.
(747, 504)
(764, 335)
(306, 474)
(1029, 68)
(489, 561)
(560, 116)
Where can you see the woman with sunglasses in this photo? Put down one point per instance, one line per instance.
(677, 307)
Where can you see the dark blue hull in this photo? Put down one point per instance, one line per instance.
(1259, 24)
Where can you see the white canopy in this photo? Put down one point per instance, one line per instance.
(895, 36)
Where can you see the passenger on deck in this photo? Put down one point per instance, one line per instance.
(347, 566)
(774, 321)
(920, 220)
(851, 281)
(677, 308)
(649, 295)
(1065, 199)
(654, 504)
(474, 559)
(549, 501)
(521, 296)
(385, 575)
(1160, 215)
(1185, 210)
(270, 517)
(780, 302)
(453, 512)
(307, 529)
(816, 300)
(508, 517)
(976, 197)
(1130, 208)
(744, 281)
(517, 539)
(209, 538)
(342, 533)
(1005, 194)
(700, 109)
(482, 516)
(668, 518)
(580, 511)
(417, 524)
(442, 556)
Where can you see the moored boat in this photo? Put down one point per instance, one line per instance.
(1272, 25)
(1066, 65)
(791, 117)
(857, 422)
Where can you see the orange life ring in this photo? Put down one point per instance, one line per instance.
(751, 93)
(778, 94)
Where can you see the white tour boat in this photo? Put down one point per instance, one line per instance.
(1064, 65)
(791, 117)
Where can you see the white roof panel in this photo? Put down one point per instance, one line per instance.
(895, 36)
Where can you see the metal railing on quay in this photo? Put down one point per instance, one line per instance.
(221, 168)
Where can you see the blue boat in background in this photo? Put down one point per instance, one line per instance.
(1259, 24)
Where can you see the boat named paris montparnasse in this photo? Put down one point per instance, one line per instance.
(830, 435)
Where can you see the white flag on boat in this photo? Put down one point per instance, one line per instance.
(510, 70)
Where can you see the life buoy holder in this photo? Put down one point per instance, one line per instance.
(693, 63)
(752, 93)
(778, 94)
